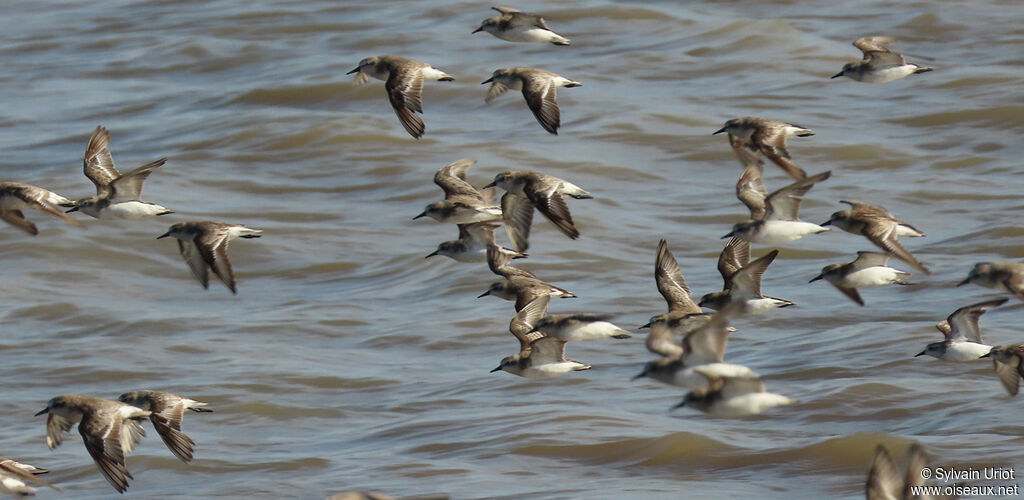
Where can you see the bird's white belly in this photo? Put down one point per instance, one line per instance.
(966, 351)
(872, 276)
(761, 305)
(748, 404)
(524, 34)
(587, 331)
(552, 369)
(888, 74)
(782, 231)
(128, 210)
(691, 380)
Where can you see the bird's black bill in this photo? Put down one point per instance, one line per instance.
(353, 71)
(964, 282)
(44, 412)
(488, 292)
(420, 215)
(498, 369)
(492, 184)
(485, 82)
(162, 236)
(719, 131)
(816, 278)
(73, 209)
(922, 353)
(476, 30)
(431, 254)
(838, 75)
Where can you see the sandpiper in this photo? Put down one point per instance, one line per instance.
(702, 347)
(14, 475)
(880, 65)
(526, 189)
(574, 327)
(867, 270)
(110, 430)
(1006, 276)
(472, 244)
(878, 226)
(463, 203)
(752, 136)
(731, 396)
(742, 280)
(780, 223)
(167, 411)
(683, 314)
(520, 285)
(1008, 361)
(546, 358)
(204, 246)
(885, 482)
(750, 190)
(403, 81)
(963, 335)
(517, 26)
(15, 197)
(117, 195)
(539, 88)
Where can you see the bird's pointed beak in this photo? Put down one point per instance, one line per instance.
(492, 184)
(477, 30)
(431, 254)
(922, 353)
(648, 325)
(676, 407)
(730, 235)
(422, 214)
(488, 292)
(162, 236)
(44, 412)
(640, 375)
(489, 80)
(353, 71)
(73, 209)
(816, 278)
(964, 282)
(837, 75)
(826, 223)
(719, 131)
(498, 369)
(989, 353)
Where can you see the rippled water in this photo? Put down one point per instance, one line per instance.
(347, 361)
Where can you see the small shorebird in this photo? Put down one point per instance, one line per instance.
(518, 26)
(963, 335)
(683, 316)
(403, 81)
(14, 475)
(117, 195)
(109, 429)
(731, 396)
(885, 482)
(526, 190)
(1008, 361)
(15, 197)
(204, 246)
(880, 65)
(704, 346)
(879, 227)
(1006, 276)
(463, 203)
(472, 244)
(538, 356)
(750, 190)
(867, 270)
(167, 411)
(751, 137)
(520, 285)
(539, 88)
(742, 280)
(781, 223)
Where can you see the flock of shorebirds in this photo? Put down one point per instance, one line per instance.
(690, 343)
